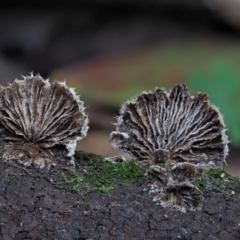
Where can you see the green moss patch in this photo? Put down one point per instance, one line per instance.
(100, 176)
(93, 173)
(90, 174)
(218, 180)
(9, 180)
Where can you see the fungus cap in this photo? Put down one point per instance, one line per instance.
(40, 121)
(165, 127)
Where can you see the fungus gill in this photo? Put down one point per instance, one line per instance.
(170, 127)
(40, 122)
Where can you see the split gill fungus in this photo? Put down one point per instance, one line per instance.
(173, 189)
(170, 127)
(162, 129)
(40, 122)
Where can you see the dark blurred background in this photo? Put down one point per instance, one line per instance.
(111, 50)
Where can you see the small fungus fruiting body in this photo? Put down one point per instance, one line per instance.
(169, 127)
(173, 189)
(40, 122)
(183, 196)
(177, 129)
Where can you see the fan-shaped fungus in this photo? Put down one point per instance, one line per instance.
(40, 122)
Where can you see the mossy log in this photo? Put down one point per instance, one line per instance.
(81, 203)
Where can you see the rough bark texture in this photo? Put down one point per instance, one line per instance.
(31, 207)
